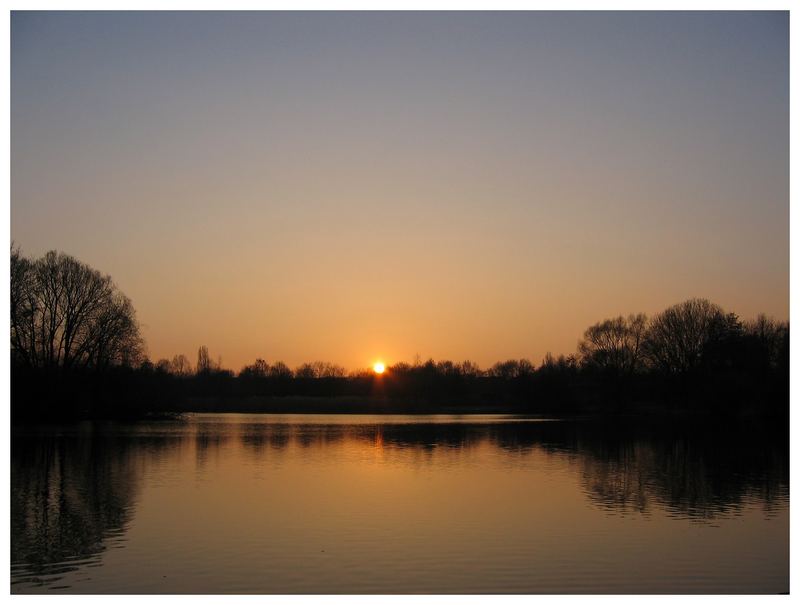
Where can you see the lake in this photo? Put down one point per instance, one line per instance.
(231, 503)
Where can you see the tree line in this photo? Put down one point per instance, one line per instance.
(76, 348)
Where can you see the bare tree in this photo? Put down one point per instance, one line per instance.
(280, 370)
(66, 314)
(615, 344)
(511, 369)
(180, 365)
(305, 370)
(331, 370)
(320, 369)
(770, 336)
(562, 362)
(471, 369)
(678, 337)
(259, 369)
(204, 364)
(23, 309)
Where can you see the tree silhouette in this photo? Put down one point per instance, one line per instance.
(180, 366)
(76, 351)
(280, 370)
(204, 364)
(615, 344)
(677, 337)
(259, 369)
(64, 314)
(511, 369)
(770, 336)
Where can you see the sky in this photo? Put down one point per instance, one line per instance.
(359, 186)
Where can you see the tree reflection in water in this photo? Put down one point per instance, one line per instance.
(74, 489)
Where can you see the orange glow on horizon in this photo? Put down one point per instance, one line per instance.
(466, 238)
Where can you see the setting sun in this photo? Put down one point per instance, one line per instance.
(379, 367)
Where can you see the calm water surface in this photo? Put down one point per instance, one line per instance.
(226, 503)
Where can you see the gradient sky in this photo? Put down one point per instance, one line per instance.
(354, 186)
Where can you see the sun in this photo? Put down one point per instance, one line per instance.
(379, 367)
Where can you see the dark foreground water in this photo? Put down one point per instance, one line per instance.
(349, 504)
